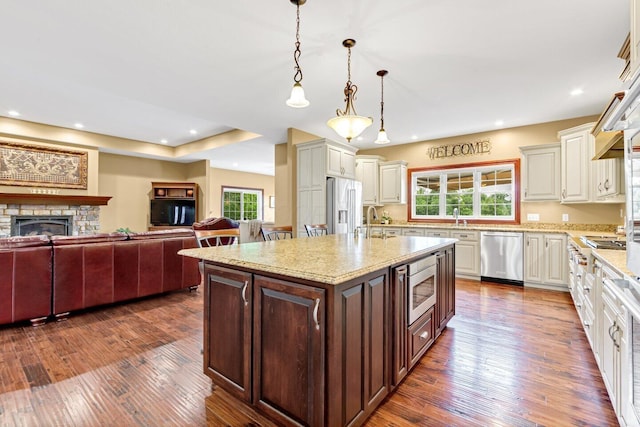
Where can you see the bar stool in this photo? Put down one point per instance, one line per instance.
(223, 236)
(316, 230)
(281, 232)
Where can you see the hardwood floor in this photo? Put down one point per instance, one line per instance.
(510, 356)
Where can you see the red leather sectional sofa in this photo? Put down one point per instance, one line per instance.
(25, 279)
(42, 276)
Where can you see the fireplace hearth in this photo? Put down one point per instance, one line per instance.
(59, 225)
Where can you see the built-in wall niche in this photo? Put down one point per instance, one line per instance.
(173, 204)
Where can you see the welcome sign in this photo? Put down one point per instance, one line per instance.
(463, 149)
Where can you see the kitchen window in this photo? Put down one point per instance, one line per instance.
(242, 203)
(481, 192)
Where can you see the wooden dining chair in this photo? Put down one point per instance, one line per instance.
(221, 237)
(316, 229)
(272, 232)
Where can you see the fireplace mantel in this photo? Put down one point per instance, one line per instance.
(53, 199)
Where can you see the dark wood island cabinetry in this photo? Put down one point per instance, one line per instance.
(311, 331)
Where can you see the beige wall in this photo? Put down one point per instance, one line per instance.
(505, 144)
(229, 178)
(128, 180)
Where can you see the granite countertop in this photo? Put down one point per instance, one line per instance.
(331, 259)
(616, 259)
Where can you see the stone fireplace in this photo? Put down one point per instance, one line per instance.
(60, 225)
(49, 214)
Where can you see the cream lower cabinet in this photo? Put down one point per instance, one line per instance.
(545, 260)
(613, 347)
(467, 253)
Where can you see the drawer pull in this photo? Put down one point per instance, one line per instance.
(315, 313)
(424, 335)
(244, 292)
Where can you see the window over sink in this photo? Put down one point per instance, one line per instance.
(478, 192)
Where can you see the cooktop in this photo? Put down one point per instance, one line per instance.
(604, 242)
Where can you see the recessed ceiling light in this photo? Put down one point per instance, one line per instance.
(577, 92)
(414, 137)
(193, 132)
(79, 125)
(235, 164)
(164, 141)
(14, 113)
(359, 138)
(499, 123)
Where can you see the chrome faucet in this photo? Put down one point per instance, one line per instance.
(375, 216)
(455, 215)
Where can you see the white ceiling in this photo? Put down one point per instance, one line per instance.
(154, 69)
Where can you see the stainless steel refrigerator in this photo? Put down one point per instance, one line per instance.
(344, 205)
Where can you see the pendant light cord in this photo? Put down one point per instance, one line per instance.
(297, 77)
(382, 102)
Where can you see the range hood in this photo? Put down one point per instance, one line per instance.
(610, 144)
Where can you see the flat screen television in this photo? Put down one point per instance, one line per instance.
(173, 212)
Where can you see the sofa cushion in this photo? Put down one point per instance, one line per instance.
(215, 224)
(88, 238)
(23, 241)
(162, 234)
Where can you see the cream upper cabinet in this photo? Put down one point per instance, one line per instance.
(545, 260)
(609, 180)
(311, 167)
(368, 172)
(576, 146)
(541, 172)
(315, 161)
(341, 160)
(393, 182)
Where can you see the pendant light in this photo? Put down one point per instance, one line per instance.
(348, 124)
(297, 99)
(382, 134)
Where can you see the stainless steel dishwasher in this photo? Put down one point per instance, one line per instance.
(501, 256)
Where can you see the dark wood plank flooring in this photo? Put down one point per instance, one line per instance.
(511, 356)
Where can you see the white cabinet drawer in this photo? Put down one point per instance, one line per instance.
(412, 232)
(437, 233)
(465, 235)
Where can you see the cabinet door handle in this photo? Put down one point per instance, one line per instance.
(611, 331)
(244, 292)
(606, 184)
(315, 313)
(564, 193)
(424, 335)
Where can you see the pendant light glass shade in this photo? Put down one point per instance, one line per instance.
(382, 134)
(348, 124)
(297, 98)
(382, 137)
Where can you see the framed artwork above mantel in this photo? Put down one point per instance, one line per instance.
(36, 165)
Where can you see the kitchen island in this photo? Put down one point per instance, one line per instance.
(314, 331)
